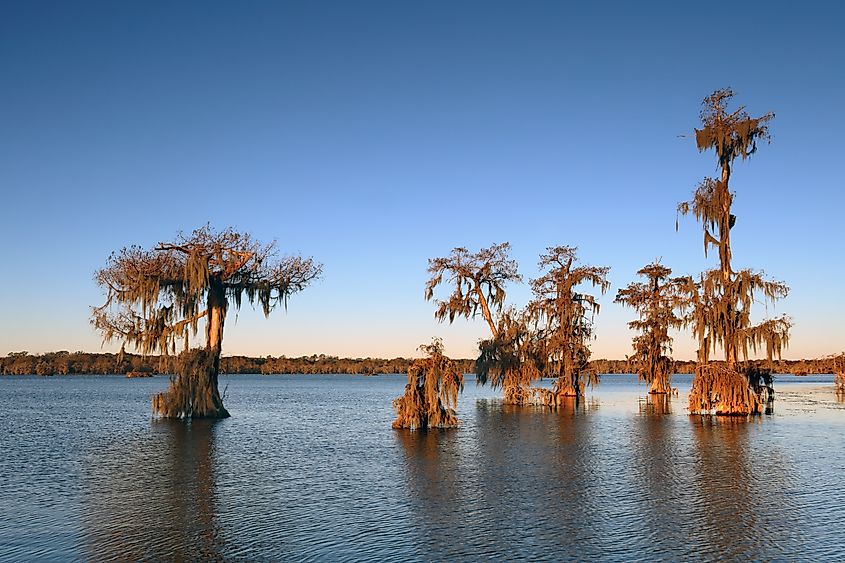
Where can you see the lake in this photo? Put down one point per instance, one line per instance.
(308, 468)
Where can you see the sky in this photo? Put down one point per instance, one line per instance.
(376, 135)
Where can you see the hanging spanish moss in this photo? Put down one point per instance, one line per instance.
(564, 317)
(479, 288)
(656, 300)
(156, 299)
(431, 394)
(512, 359)
(720, 301)
(724, 390)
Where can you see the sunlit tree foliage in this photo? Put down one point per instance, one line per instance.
(564, 314)
(155, 299)
(478, 280)
(657, 300)
(722, 298)
(431, 394)
(479, 283)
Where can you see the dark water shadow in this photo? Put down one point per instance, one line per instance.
(154, 498)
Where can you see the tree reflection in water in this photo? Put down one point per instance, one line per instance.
(516, 483)
(155, 500)
(432, 467)
(538, 471)
(744, 514)
(659, 470)
(656, 405)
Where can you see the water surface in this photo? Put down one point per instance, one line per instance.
(308, 468)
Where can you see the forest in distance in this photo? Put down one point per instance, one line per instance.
(88, 363)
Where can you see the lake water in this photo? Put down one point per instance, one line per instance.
(308, 468)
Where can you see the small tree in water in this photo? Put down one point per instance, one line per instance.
(722, 298)
(565, 316)
(156, 298)
(431, 394)
(479, 287)
(656, 300)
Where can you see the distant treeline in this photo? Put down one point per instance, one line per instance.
(64, 363)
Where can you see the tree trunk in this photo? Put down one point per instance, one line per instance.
(568, 386)
(658, 386)
(193, 391)
(217, 306)
(485, 310)
(724, 198)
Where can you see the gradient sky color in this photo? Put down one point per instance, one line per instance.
(376, 135)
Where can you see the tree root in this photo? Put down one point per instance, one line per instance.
(192, 392)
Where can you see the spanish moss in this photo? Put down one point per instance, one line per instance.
(431, 394)
(720, 301)
(156, 299)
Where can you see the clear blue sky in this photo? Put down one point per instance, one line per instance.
(376, 135)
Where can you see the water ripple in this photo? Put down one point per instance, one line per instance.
(309, 470)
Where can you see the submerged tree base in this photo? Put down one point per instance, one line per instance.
(516, 395)
(664, 391)
(721, 390)
(562, 394)
(192, 392)
(661, 386)
(552, 399)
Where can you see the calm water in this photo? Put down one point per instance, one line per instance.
(308, 468)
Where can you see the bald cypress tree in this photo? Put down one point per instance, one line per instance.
(478, 280)
(431, 394)
(722, 298)
(657, 300)
(157, 298)
(564, 313)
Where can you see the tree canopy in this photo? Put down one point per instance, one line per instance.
(565, 314)
(721, 300)
(657, 300)
(156, 299)
(479, 282)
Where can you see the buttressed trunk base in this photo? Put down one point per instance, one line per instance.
(431, 395)
(192, 392)
(564, 393)
(724, 390)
